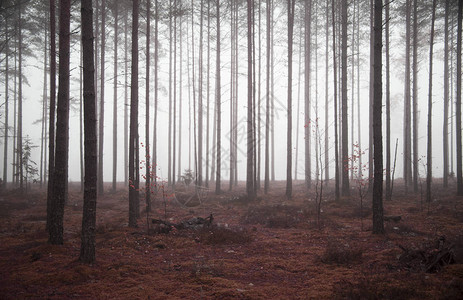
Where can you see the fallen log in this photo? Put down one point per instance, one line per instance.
(193, 223)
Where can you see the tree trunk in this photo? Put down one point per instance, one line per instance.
(62, 128)
(344, 119)
(250, 153)
(200, 98)
(307, 102)
(429, 152)
(207, 89)
(116, 30)
(335, 96)
(126, 99)
(44, 111)
(156, 83)
(174, 82)
(415, 98)
(407, 110)
(133, 140)
(87, 249)
(147, 111)
(458, 102)
(51, 125)
(218, 103)
(169, 138)
(102, 83)
(327, 152)
(289, 148)
(19, 137)
(378, 226)
(388, 110)
(446, 97)
(267, 104)
(5, 149)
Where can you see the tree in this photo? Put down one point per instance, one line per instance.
(62, 128)
(147, 110)
(378, 226)
(289, 148)
(407, 109)
(458, 102)
(335, 96)
(446, 97)
(51, 126)
(133, 139)
(429, 152)
(156, 83)
(218, 104)
(267, 106)
(5, 130)
(102, 83)
(307, 129)
(116, 30)
(415, 97)
(388, 109)
(250, 153)
(87, 248)
(344, 120)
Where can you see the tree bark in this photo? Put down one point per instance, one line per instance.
(378, 226)
(51, 125)
(344, 119)
(102, 86)
(62, 128)
(388, 109)
(289, 148)
(133, 139)
(147, 110)
(458, 103)
(335, 96)
(218, 104)
(307, 100)
(116, 31)
(87, 249)
(445, 130)
(250, 153)
(429, 152)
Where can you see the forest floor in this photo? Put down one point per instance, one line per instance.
(271, 248)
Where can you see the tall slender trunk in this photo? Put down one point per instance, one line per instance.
(344, 108)
(19, 138)
(87, 250)
(307, 99)
(102, 83)
(378, 226)
(133, 140)
(51, 125)
(298, 110)
(180, 98)
(388, 109)
(218, 104)
(429, 152)
(200, 97)
(415, 98)
(7, 72)
(62, 128)
(259, 99)
(44, 111)
(207, 89)
(289, 148)
(147, 110)
(335, 96)
(126, 99)
(407, 110)
(267, 103)
(445, 130)
(250, 153)
(232, 90)
(81, 117)
(458, 102)
(327, 149)
(174, 119)
(116, 31)
(156, 83)
(169, 138)
(359, 127)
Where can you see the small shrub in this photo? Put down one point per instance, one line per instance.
(336, 253)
